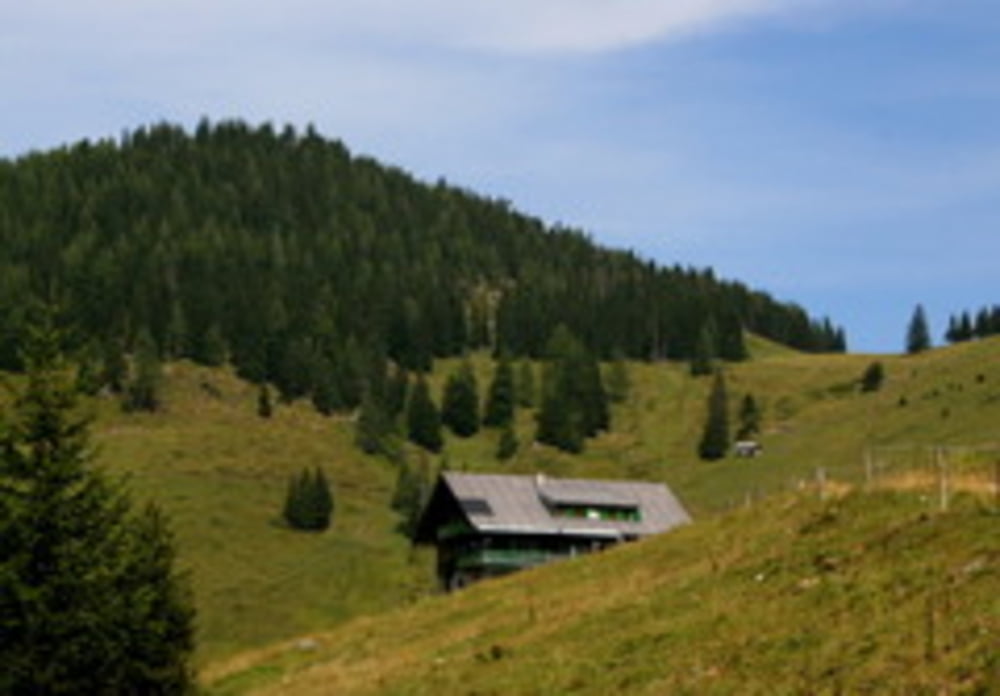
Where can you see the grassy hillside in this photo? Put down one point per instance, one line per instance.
(814, 416)
(864, 594)
(220, 471)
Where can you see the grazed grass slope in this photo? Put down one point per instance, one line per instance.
(220, 471)
(813, 416)
(865, 594)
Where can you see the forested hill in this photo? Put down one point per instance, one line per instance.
(298, 262)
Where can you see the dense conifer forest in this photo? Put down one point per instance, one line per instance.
(305, 266)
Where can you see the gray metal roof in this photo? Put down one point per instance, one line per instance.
(522, 504)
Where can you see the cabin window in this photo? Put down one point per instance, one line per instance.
(475, 506)
(598, 512)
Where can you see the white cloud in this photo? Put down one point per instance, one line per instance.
(554, 26)
(505, 26)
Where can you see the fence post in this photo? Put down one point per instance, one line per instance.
(942, 467)
(868, 468)
(821, 482)
(996, 484)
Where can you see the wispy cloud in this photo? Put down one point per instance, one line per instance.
(578, 26)
(506, 26)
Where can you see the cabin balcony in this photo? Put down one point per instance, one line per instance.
(507, 559)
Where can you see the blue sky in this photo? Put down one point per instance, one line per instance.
(842, 154)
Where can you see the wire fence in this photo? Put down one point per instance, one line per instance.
(936, 473)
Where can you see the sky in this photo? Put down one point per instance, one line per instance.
(840, 154)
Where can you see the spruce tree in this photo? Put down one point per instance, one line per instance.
(525, 387)
(731, 342)
(325, 397)
(918, 335)
(981, 329)
(397, 389)
(965, 330)
(749, 418)
(373, 428)
(290, 511)
(617, 381)
(558, 424)
(89, 378)
(212, 347)
(410, 494)
(143, 392)
(500, 399)
(90, 600)
(715, 437)
(115, 374)
(422, 418)
(704, 351)
(508, 444)
(460, 404)
(873, 377)
(574, 404)
(308, 501)
(953, 332)
(587, 388)
(265, 407)
(176, 337)
(320, 501)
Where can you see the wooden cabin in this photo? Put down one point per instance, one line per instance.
(486, 524)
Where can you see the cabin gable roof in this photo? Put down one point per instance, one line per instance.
(511, 504)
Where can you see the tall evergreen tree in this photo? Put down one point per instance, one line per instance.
(115, 374)
(525, 387)
(89, 378)
(574, 404)
(982, 327)
(411, 493)
(373, 428)
(211, 348)
(90, 599)
(589, 388)
(325, 397)
(618, 381)
(308, 501)
(397, 390)
(918, 335)
(965, 331)
(731, 341)
(460, 403)
(749, 418)
(714, 442)
(952, 334)
(422, 417)
(508, 444)
(704, 351)
(873, 376)
(143, 393)
(558, 424)
(500, 399)
(265, 408)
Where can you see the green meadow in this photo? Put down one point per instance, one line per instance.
(865, 593)
(220, 471)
